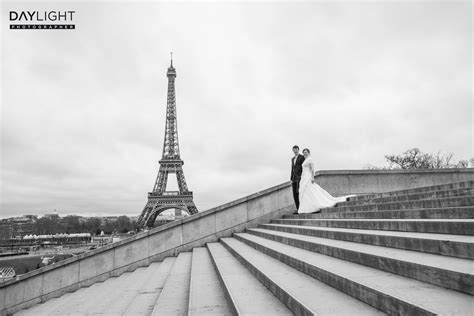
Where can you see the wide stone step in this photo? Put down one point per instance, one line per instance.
(459, 246)
(116, 301)
(47, 307)
(433, 213)
(440, 187)
(391, 293)
(206, 294)
(245, 294)
(144, 301)
(438, 226)
(173, 299)
(81, 301)
(452, 273)
(101, 302)
(413, 197)
(418, 204)
(301, 293)
(132, 293)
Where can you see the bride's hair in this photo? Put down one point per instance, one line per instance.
(307, 150)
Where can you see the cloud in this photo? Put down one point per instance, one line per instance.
(83, 112)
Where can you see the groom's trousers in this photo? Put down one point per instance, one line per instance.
(296, 192)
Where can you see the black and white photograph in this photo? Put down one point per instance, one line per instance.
(236, 157)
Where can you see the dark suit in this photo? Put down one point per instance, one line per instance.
(296, 170)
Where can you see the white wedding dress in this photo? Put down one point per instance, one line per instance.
(312, 196)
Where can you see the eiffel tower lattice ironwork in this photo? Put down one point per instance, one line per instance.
(159, 199)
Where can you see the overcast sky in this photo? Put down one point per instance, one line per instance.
(83, 111)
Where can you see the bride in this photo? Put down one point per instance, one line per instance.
(312, 197)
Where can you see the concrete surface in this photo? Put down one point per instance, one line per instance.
(459, 246)
(388, 292)
(302, 295)
(345, 182)
(246, 295)
(438, 226)
(441, 212)
(173, 299)
(448, 272)
(414, 196)
(333, 263)
(206, 294)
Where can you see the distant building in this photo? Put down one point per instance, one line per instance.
(177, 213)
(55, 214)
(16, 227)
(164, 219)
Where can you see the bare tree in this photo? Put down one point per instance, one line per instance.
(410, 159)
(462, 164)
(416, 159)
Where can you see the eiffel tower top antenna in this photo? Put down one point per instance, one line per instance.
(171, 59)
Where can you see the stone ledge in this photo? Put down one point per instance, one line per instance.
(349, 172)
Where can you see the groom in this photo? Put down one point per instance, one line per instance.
(296, 170)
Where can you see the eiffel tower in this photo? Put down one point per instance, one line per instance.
(159, 199)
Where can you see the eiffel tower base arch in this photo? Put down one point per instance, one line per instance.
(158, 205)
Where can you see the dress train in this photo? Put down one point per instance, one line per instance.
(313, 197)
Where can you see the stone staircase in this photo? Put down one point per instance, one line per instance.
(406, 252)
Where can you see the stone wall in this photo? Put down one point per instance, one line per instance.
(345, 182)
